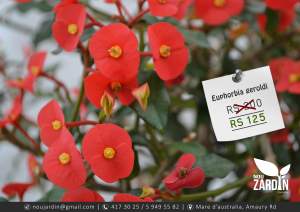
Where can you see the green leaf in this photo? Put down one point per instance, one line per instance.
(2, 199)
(44, 31)
(87, 34)
(215, 165)
(157, 112)
(136, 167)
(195, 38)
(272, 21)
(24, 7)
(42, 6)
(53, 195)
(194, 148)
(282, 152)
(212, 164)
(195, 68)
(174, 129)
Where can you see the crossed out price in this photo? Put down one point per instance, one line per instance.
(247, 114)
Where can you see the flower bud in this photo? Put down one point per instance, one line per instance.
(142, 94)
(147, 192)
(107, 103)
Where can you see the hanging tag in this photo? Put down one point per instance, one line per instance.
(243, 109)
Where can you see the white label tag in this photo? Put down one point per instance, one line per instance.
(243, 109)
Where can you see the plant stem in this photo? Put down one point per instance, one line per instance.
(85, 56)
(29, 138)
(125, 10)
(10, 137)
(213, 193)
(137, 17)
(140, 4)
(154, 143)
(118, 5)
(94, 21)
(80, 123)
(59, 84)
(163, 168)
(96, 186)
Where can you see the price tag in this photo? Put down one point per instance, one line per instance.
(243, 109)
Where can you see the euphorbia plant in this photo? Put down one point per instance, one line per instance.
(142, 70)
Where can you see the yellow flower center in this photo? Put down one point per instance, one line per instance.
(109, 153)
(294, 78)
(64, 158)
(219, 3)
(35, 70)
(165, 51)
(72, 29)
(115, 51)
(116, 86)
(56, 125)
(162, 1)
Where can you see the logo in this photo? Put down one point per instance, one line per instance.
(277, 179)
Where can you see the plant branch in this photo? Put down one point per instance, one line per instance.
(80, 123)
(213, 193)
(137, 17)
(85, 56)
(15, 141)
(26, 135)
(59, 84)
(94, 21)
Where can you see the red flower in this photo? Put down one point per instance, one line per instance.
(184, 176)
(36, 63)
(69, 25)
(129, 198)
(23, 1)
(81, 194)
(251, 169)
(294, 187)
(286, 18)
(108, 150)
(279, 66)
(290, 80)
(13, 114)
(115, 51)
(163, 7)
(216, 12)
(51, 122)
(64, 3)
(170, 55)
(24, 84)
(63, 164)
(35, 68)
(13, 189)
(111, 1)
(96, 84)
(34, 168)
(182, 8)
(280, 4)
(280, 136)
